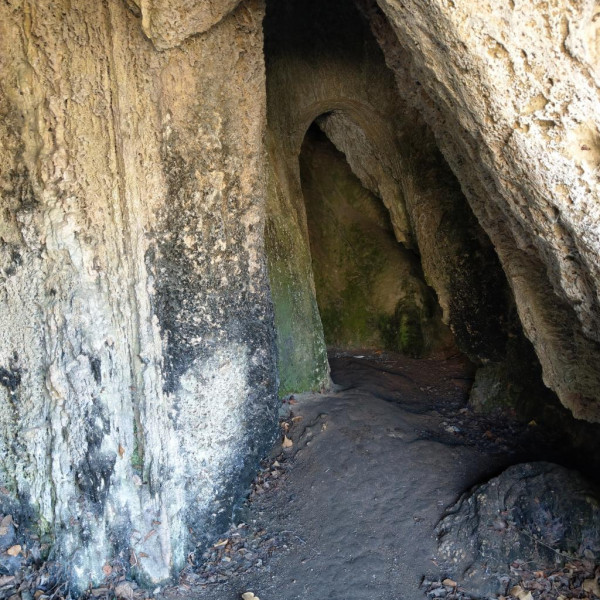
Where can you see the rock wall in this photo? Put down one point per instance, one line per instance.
(323, 63)
(511, 93)
(370, 289)
(137, 362)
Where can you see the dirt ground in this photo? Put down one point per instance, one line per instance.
(347, 512)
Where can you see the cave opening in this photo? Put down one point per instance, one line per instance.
(371, 242)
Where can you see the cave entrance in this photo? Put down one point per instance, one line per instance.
(370, 289)
(365, 219)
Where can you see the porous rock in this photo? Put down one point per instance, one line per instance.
(137, 365)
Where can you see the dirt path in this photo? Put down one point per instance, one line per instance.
(350, 512)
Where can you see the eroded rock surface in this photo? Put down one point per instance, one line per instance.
(511, 94)
(370, 289)
(137, 364)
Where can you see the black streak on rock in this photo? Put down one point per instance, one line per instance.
(10, 379)
(96, 366)
(94, 472)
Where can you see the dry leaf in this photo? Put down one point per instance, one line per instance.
(5, 524)
(520, 593)
(591, 585)
(287, 443)
(124, 590)
(449, 583)
(121, 451)
(14, 550)
(538, 574)
(297, 418)
(276, 464)
(249, 596)
(149, 535)
(221, 543)
(107, 570)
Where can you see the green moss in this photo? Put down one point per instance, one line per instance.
(403, 331)
(301, 351)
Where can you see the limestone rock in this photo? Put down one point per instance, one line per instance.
(511, 93)
(137, 365)
(169, 22)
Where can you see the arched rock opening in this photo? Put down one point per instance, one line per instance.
(142, 152)
(323, 63)
(370, 289)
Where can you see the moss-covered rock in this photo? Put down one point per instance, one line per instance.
(301, 352)
(370, 289)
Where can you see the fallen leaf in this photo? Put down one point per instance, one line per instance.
(107, 570)
(124, 590)
(121, 451)
(520, 593)
(276, 464)
(249, 596)
(287, 443)
(149, 535)
(221, 543)
(6, 521)
(14, 550)
(449, 583)
(591, 585)
(297, 418)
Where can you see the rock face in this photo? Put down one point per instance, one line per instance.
(149, 172)
(137, 344)
(324, 64)
(511, 93)
(532, 512)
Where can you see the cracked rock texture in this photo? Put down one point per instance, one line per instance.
(137, 332)
(137, 364)
(539, 513)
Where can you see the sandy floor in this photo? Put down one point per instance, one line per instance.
(372, 468)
